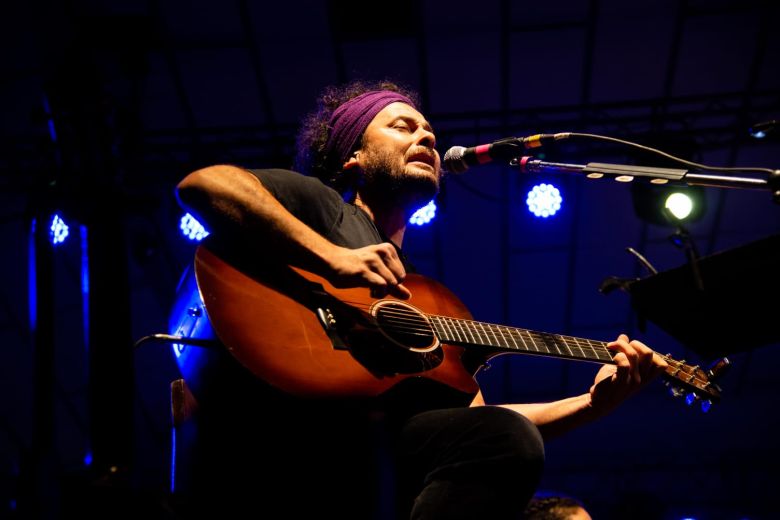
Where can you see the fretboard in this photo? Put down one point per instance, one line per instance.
(513, 339)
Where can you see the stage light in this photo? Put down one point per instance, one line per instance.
(668, 205)
(423, 215)
(58, 230)
(544, 200)
(680, 205)
(192, 229)
(763, 129)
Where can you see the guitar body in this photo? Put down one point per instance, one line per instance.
(301, 335)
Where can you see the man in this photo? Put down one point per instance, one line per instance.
(369, 142)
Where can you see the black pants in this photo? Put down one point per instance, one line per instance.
(460, 463)
(468, 463)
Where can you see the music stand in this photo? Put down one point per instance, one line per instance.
(736, 309)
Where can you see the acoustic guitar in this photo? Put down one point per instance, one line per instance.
(300, 334)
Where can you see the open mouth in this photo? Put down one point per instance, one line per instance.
(423, 158)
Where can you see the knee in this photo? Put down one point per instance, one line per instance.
(517, 437)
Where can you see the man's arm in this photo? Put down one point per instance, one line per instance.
(635, 366)
(235, 204)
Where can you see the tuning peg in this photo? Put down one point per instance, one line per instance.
(675, 391)
(706, 405)
(719, 368)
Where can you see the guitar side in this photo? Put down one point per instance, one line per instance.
(269, 322)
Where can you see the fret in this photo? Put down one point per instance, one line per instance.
(577, 344)
(559, 340)
(522, 339)
(487, 337)
(454, 324)
(593, 349)
(565, 343)
(603, 353)
(533, 341)
(511, 336)
(462, 331)
(547, 347)
(592, 352)
(472, 331)
(549, 342)
(441, 328)
(502, 343)
(468, 330)
(450, 335)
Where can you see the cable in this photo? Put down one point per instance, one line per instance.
(668, 156)
(642, 260)
(169, 338)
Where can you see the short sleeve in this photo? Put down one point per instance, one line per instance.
(315, 204)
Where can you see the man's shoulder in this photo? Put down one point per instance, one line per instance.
(279, 173)
(284, 177)
(304, 196)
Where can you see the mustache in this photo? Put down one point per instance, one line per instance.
(430, 153)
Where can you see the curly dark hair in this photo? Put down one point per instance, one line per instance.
(311, 158)
(551, 508)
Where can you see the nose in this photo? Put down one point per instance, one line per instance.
(426, 138)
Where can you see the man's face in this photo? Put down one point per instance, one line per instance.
(398, 158)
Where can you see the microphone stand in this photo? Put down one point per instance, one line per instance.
(627, 173)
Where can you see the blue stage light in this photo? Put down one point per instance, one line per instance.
(192, 229)
(423, 215)
(544, 200)
(58, 230)
(88, 459)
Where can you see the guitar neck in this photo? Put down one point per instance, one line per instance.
(516, 340)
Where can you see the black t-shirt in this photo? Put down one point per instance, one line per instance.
(322, 209)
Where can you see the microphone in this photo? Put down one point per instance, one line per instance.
(458, 159)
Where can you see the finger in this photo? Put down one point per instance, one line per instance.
(659, 364)
(377, 265)
(400, 291)
(645, 358)
(622, 345)
(622, 369)
(378, 286)
(390, 257)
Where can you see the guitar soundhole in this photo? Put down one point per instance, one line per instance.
(405, 325)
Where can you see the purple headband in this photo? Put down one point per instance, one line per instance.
(350, 120)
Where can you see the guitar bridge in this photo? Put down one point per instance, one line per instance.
(328, 322)
(326, 318)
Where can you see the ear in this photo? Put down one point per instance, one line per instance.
(352, 162)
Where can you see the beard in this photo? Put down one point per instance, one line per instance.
(388, 182)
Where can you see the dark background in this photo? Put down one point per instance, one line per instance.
(141, 93)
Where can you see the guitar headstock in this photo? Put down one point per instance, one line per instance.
(693, 382)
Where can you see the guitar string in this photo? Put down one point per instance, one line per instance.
(496, 330)
(418, 320)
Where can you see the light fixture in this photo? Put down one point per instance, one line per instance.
(679, 205)
(544, 200)
(764, 129)
(423, 215)
(192, 229)
(58, 230)
(666, 205)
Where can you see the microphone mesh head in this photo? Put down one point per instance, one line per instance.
(453, 160)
